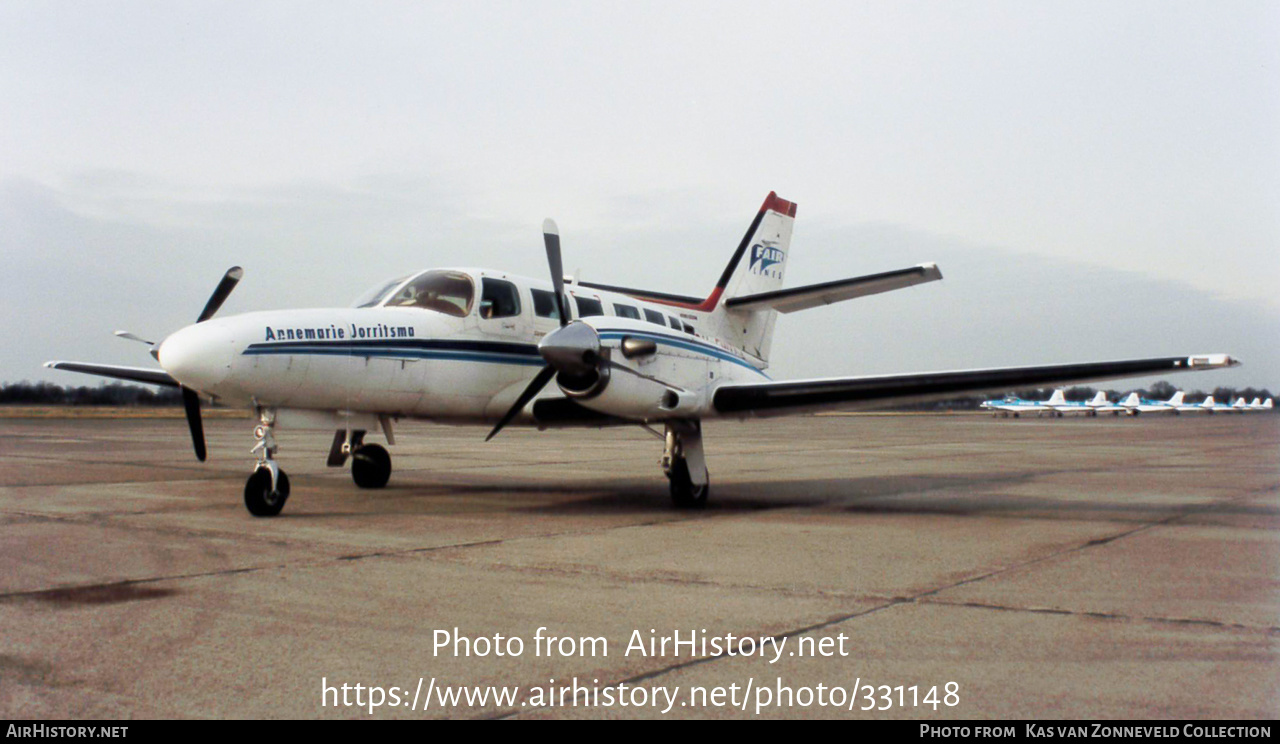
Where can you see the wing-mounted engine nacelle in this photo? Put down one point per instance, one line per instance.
(608, 378)
(620, 388)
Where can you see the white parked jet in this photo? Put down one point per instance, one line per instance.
(1258, 405)
(481, 346)
(1126, 405)
(1090, 407)
(1205, 406)
(1156, 406)
(1011, 405)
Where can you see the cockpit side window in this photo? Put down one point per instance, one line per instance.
(448, 292)
(378, 293)
(498, 299)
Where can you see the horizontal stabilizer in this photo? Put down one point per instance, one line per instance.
(826, 293)
(133, 374)
(781, 398)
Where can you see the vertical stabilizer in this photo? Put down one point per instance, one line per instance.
(758, 265)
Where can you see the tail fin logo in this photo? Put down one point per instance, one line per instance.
(763, 256)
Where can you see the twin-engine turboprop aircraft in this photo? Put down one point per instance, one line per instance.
(481, 346)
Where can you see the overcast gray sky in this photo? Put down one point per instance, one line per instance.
(1096, 180)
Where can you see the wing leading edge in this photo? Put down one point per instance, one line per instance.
(782, 398)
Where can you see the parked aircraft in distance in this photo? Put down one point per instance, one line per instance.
(481, 346)
(1205, 406)
(1125, 405)
(1012, 405)
(1056, 405)
(1257, 405)
(1157, 406)
(1088, 407)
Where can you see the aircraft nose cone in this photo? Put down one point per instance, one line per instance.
(198, 356)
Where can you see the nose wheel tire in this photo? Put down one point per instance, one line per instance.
(260, 499)
(684, 494)
(371, 466)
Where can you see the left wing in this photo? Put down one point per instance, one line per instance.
(782, 398)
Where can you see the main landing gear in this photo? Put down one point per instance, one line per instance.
(370, 463)
(267, 489)
(684, 464)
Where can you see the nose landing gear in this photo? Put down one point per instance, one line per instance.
(268, 487)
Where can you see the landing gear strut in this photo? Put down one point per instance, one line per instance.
(684, 464)
(268, 487)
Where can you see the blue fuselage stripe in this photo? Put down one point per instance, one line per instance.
(472, 350)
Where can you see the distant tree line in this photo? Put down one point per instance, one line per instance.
(110, 394)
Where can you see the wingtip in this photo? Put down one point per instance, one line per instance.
(1212, 361)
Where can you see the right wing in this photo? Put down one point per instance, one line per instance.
(783, 398)
(133, 374)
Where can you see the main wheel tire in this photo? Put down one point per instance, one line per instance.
(259, 499)
(684, 494)
(371, 466)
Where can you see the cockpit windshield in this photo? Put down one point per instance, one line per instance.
(448, 292)
(378, 293)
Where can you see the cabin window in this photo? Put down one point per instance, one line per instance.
(689, 329)
(499, 299)
(588, 306)
(448, 292)
(653, 316)
(544, 304)
(674, 323)
(626, 311)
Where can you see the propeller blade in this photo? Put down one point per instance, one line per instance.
(134, 337)
(551, 236)
(219, 296)
(534, 388)
(191, 402)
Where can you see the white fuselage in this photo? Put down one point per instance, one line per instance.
(417, 362)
